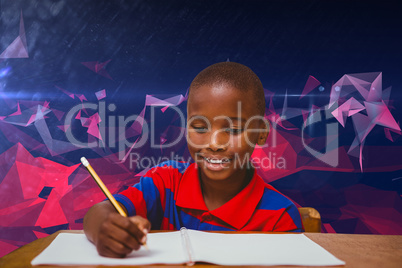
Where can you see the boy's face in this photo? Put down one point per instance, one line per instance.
(223, 127)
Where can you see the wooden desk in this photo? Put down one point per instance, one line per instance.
(356, 250)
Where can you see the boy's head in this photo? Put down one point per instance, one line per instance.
(225, 119)
(235, 75)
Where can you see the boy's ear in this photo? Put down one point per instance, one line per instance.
(263, 135)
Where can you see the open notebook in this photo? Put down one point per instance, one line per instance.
(189, 246)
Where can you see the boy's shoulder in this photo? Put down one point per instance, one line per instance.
(272, 199)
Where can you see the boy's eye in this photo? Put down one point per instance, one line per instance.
(234, 131)
(200, 129)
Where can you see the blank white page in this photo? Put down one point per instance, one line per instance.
(75, 249)
(223, 249)
(259, 249)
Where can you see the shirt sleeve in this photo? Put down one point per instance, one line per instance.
(290, 220)
(146, 198)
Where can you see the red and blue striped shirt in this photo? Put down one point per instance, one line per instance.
(170, 197)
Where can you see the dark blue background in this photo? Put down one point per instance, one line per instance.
(159, 46)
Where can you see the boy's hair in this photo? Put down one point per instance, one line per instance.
(236, 75)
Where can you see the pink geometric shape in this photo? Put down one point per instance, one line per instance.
(153, 101)
(52, 213)
(68, 93)
(26, 216)
(96, 118)
(92, 124)
(328, 228)
(18, 48)
(29, 176)
(375, 93)
(387, 120)
(355, 111)
(363, 125)
(315, 108)
(358, 84)
(40, 234)
(386, 94)
(58, 114)
(311, 84)
(366, 78)
(379, 113)
(85, 121)
(31, 120)
(98, 67)
(6, 248)
(305, 114)
(339, 115)
(388, 133)
(101, 94)
(13, 189)
(349, 108)
(46, 104)
(354, 148)
(15, 50)
(64, 127)
(173, 101)
(164, 109)
(13, 209)
(30, 187)
(18, 112)
(94, 130)
(78, 116)
(354, 106)
(83, 109)
(81, 97)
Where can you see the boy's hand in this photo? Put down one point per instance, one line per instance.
(114, 235)
(119, 235)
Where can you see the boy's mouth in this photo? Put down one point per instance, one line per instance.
(215, 164)
(216, 161)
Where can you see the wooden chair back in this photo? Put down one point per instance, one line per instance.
(311, 219)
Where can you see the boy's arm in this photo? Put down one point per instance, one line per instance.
(113, 234)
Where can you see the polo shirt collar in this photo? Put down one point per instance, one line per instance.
(236, 212)
(189, 194)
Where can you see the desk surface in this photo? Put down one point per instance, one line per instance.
(356, 250)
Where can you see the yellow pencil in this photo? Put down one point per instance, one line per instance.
(104, 189)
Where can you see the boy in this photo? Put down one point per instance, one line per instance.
(221, 190)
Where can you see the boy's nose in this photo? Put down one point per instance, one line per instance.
(216, 147)
(217, 141)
